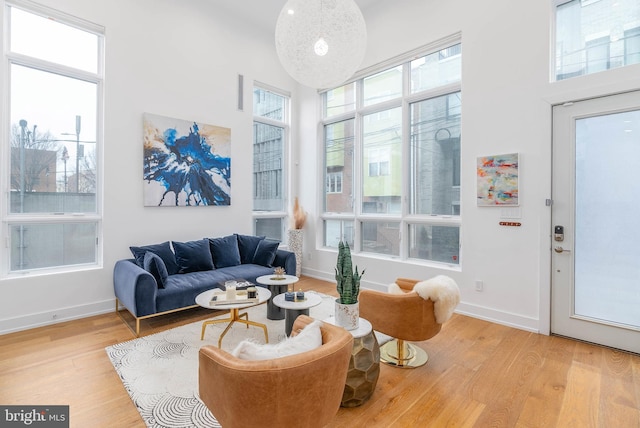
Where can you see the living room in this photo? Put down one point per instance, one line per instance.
(182, 60)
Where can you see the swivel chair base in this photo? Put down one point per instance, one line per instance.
(399, 353)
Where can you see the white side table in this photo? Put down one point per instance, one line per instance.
(293, 309)
(277, 285)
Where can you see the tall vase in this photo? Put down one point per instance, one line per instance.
(295, 245)
(347, 316)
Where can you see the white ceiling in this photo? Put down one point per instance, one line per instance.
(264, 13)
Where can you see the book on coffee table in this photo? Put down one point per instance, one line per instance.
(220, 298)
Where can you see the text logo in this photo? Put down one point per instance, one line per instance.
(34, 416)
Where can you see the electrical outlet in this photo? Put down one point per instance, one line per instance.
(479, 285)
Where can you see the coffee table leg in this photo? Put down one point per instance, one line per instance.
(290, 317)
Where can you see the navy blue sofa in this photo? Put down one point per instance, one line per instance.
(167, 277)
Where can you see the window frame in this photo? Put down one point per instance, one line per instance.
(10, 219)
(285, 124)
(404, 219)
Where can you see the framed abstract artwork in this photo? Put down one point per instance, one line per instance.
(497, 180)
(186, 163)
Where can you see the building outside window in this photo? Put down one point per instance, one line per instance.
(270, 135)
(595, 35)
(399, 128)
(52, 221)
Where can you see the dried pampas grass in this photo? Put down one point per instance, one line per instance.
(299, 216)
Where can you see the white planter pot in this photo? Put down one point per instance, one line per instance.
(295, 246)
(347, 316)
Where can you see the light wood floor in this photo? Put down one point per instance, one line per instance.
(479, 375)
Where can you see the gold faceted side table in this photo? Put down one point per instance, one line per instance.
(364, 365)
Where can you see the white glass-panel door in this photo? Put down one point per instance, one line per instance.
(596, 236)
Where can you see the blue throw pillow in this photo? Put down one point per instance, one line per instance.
(193, 256)
(247, 246)
(153, 264)
(225, 251)
(163, 250)
(266, 252)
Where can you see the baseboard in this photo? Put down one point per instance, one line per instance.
(41, 319)
(499, 317)
(480, 312)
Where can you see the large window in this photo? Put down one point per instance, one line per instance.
(393, 137)
(595, 35)
(270, 130)
(55, 65)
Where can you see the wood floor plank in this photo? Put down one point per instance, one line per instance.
(479, 374)
(581, 401)
(516, 381)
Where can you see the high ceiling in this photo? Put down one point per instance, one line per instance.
(264, 13)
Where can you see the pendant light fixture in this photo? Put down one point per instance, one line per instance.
(321, 43)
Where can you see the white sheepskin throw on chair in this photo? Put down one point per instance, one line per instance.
(443, 292)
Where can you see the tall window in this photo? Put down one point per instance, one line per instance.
(399, 128)
(53, 217)
(270, 131)
(595, 35)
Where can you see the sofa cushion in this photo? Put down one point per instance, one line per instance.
(266, 252)
(155, 266)
(247, 246)
(225, 251)
(308, 339)
(193, 256)
(163, 250)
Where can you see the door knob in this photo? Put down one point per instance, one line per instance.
(559, 250)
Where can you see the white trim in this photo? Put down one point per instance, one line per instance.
(27, 322)
(55, 15)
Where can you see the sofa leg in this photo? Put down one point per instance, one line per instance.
(135, 331)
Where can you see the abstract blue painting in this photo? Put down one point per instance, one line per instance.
(186, 163)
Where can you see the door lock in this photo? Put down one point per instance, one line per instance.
(558, 233)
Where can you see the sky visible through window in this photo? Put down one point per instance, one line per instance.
(48, 100)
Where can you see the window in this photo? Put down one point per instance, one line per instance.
(55, 65)
(334, 182)
(270, 130)
(400, 130)
(378, 162)
(593, 36)
(632, 46)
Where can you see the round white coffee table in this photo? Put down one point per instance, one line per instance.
(277, 285)
(204, 299)
(293, 309)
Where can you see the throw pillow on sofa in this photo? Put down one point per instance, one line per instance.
(308, 339)
(193, 256)
(266, 252)
(247, 246)
(155, 266)
(225, 251)
(162, 250)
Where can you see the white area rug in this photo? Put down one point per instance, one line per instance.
(160, 371)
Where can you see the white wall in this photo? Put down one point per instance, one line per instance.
(181, 58)
(507, 101)
(169, 57)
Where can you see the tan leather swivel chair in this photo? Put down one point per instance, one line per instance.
(406, 317)
(303, 390)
